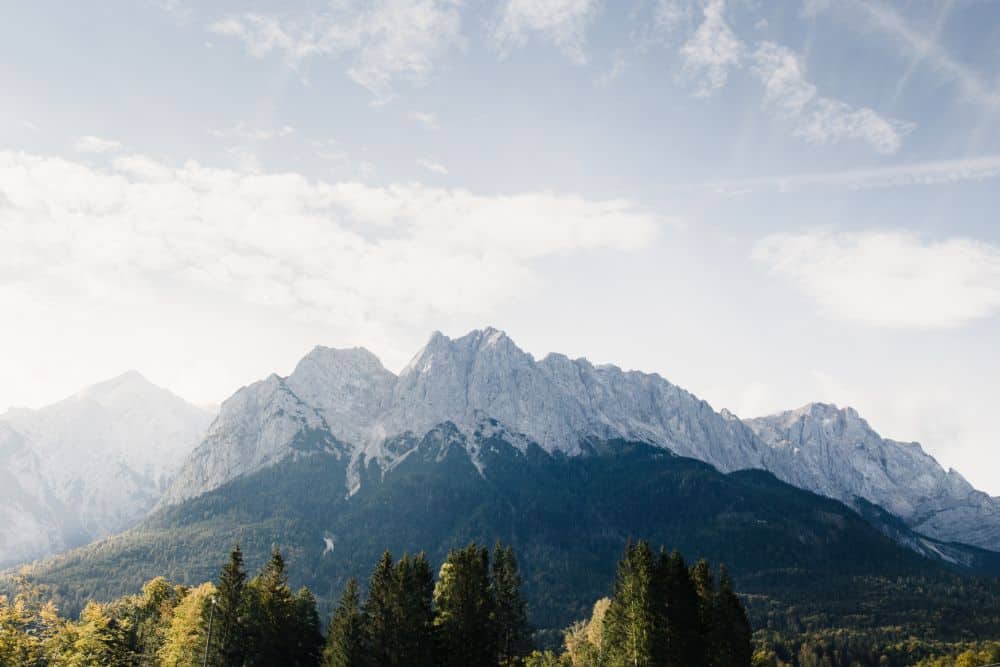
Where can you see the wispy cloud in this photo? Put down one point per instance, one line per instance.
(714, 50)
(433, 166)
(673, 15)
(178, 10)
(889, 278)
(245, 132)
(936, 172)
(428, 120)
(816, 118)
(563, 22)
(388, 40)
(92, 144)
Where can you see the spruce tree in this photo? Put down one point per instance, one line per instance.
(275, 614)
(706, 639)
(733, 628)
(513, 638)
(345, 638)
(382, 613)
(305, 631)
(465, 609)
(231, 610)
(680, 638)
(630, 621)
(415, 580)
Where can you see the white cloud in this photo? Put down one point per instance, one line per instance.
(816, 118)
(672, 15)
(428, 120)
(178, 10)
(388, 40)
(889, 278)
(563, 22)
(435, 167)
(712, 51)
(618, 64)
(92, 144)
(343, 254)
(245, 132)
(935, 172)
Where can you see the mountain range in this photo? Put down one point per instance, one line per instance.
(346, 401)
(475, 439)
(90, 465)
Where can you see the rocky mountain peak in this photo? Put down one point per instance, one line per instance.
(128, 388)
(97, 461)
(340, 361)
(489, 343)
(561, 403)
(348, 387)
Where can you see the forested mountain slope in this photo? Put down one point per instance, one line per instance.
(801, 559)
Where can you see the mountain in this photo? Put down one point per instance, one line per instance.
(30, 514)
(92, 464)
(346, 402)
(347, 396)
(477, 440)
(835, 452)
(802, 560)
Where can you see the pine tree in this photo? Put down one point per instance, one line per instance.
(630, 621)
(680, 645)
(231, 611)
(510, 616)
(706, 643)
(734, 633)
(464, 609)
(273, 609)
(345, 639)
(382, 613)
(305, 631)
(415, 580)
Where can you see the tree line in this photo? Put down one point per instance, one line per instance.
(887, 647)
(239, 620)
(661, 613)
(472, 615)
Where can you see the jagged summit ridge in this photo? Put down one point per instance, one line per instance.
(834, 451)
(561, 403)
(556, 402)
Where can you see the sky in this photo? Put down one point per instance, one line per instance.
(767, 203)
